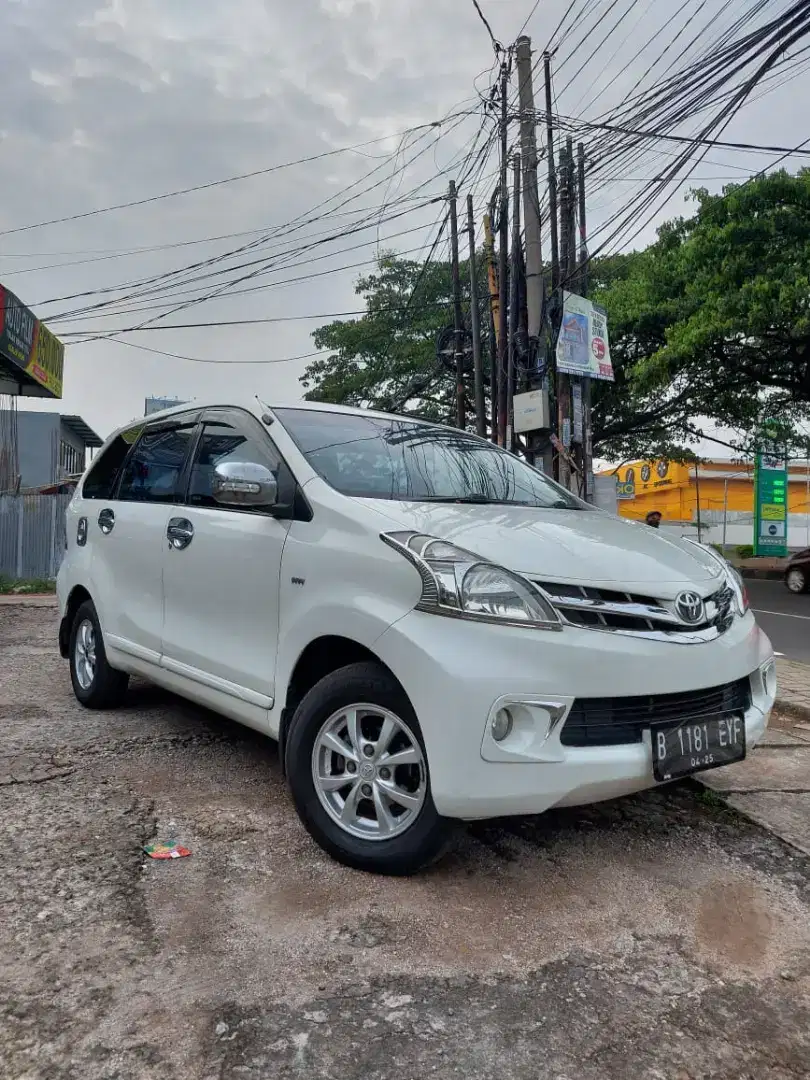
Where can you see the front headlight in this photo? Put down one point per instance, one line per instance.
(455, 582)
(733, 578)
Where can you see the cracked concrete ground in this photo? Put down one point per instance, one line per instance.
(660, 936)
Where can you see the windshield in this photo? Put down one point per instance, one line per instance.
(391, 458)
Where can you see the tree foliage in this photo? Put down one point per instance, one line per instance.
(710, 323)
(387, 358)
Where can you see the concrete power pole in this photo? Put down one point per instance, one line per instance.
(587, 445)
(535, 286)
(514, 286)
(503, 255)
(478, 364)
(461, 417)
(563, 379)
(552, 177)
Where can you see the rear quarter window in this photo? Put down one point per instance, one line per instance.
(102, 478)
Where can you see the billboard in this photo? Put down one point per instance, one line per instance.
(157, 404)
(29, 352)
(582, 344)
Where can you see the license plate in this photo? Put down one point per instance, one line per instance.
(695, 745)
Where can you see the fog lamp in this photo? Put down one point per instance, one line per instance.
(501, 724)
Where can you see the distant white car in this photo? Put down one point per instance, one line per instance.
(432, 629)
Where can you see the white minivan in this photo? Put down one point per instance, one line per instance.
(431, 629)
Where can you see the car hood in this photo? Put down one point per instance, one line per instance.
(570, 546)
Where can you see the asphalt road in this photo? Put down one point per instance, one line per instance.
(785, 618)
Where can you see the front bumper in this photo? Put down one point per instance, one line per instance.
(456, 673)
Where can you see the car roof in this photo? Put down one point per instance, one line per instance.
(259, 408)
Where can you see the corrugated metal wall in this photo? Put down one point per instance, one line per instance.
(32, 535)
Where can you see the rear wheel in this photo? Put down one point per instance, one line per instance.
(358, 771)
(796, 580)
(95, 684)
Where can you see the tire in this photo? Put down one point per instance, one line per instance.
(95, 684)
(383, 720)
(796, 580)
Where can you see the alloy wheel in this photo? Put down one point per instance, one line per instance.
(796, 581)
(369, 772)
(85, 654)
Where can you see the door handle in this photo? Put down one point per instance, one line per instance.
(180, 532)
(106, 521)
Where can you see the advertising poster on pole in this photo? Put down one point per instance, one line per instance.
(582, 345)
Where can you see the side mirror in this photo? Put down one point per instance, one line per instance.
(237, 483)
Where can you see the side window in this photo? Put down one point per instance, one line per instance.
(102, 478)
(221, 442)
(152, 472)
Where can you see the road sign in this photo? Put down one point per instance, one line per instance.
(770, 502)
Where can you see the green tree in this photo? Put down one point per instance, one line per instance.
(712, 320)
(386, 359)
(710, 323)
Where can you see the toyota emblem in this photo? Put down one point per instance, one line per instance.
(689, 607)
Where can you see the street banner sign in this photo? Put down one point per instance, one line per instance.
(29, 352)
(582, 345)
(770, 502)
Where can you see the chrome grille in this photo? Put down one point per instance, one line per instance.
(632, 613)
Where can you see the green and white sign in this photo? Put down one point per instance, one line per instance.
(770, 502)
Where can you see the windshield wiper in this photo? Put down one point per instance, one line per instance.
(473, 498)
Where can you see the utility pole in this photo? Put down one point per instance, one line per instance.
(563, 379)
(535, 286)
(697, 500)
(571, 270)
(461, 418)
(587, 384)
(494, 319)
(503, 271)
(514, 278)
(478, 364)
(552, 177)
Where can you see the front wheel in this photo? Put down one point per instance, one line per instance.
(796, 580)
(95, 684)
(358, 771)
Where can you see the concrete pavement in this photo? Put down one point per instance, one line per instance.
(772, 785)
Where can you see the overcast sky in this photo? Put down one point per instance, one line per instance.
(110, 102)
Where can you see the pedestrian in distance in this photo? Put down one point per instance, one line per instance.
(653, 519)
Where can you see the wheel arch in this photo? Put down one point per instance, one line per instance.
(318, 659)
(78, 595)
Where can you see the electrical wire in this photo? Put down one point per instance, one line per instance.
(218, 183)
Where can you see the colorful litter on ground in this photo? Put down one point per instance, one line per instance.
(166, 851)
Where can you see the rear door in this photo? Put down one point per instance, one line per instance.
(221, 578)
(128, 535)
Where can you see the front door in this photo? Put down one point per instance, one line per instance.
(221, 570)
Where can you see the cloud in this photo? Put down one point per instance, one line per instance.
(120, 100)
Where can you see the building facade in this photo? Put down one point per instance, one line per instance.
(718, 494)
(51, 446)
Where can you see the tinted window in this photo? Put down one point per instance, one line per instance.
(103, 476)
(151, 474)
(392, 458)
(221, 442)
